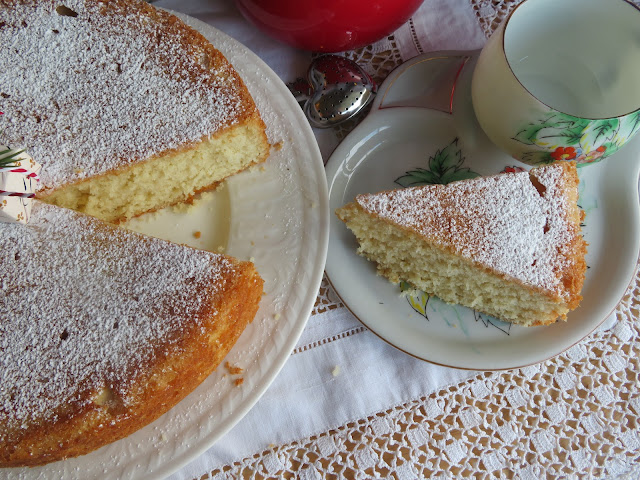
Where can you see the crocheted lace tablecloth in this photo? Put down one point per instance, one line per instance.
(573, 416)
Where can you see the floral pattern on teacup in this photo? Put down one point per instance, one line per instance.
(558, 136)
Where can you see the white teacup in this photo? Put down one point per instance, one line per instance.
(560, 80)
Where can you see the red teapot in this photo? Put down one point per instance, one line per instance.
(328, 25)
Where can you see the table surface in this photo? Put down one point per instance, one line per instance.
(573, 416)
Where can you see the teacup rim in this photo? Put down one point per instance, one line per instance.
(503, 28)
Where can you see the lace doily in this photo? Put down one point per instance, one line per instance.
(327, 299)
(573, 416)
(491, 13)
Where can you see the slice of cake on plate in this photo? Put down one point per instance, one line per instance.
(126, 108)
(103, 330)
(508, 245)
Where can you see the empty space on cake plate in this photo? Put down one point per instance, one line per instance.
(282, 226)
(390, 146)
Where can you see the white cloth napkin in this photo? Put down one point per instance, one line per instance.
(339, 371)
(440, 25)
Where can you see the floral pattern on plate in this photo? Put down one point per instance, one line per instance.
(446, 166)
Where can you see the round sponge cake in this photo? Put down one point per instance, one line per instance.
(103, 330)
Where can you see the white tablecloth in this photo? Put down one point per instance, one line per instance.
(340, 376)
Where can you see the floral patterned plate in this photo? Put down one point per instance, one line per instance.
(422, 130)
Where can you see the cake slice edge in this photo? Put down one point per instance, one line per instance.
(437, 269)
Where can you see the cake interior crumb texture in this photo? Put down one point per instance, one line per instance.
(508, 245)
(164, 181)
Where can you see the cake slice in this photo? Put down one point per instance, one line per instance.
(126, 108)
(508, 245)
(103, 330)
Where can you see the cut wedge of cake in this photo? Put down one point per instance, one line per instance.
(103, 330)
(508, 245)
(126, 108)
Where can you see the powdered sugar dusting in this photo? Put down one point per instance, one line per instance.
(87, 305)
(501, 222)
(105, 86)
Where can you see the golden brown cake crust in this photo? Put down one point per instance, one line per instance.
(573, 274)
(76, 375)
(82, 429)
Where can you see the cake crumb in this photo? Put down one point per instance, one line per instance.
(233, 369)
(336, 371)
(278, 146)
(197, 234)
(239, 381)
(276, 316)
(182, 208)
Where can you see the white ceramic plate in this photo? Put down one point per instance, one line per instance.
(397, 138)
(276, 215)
